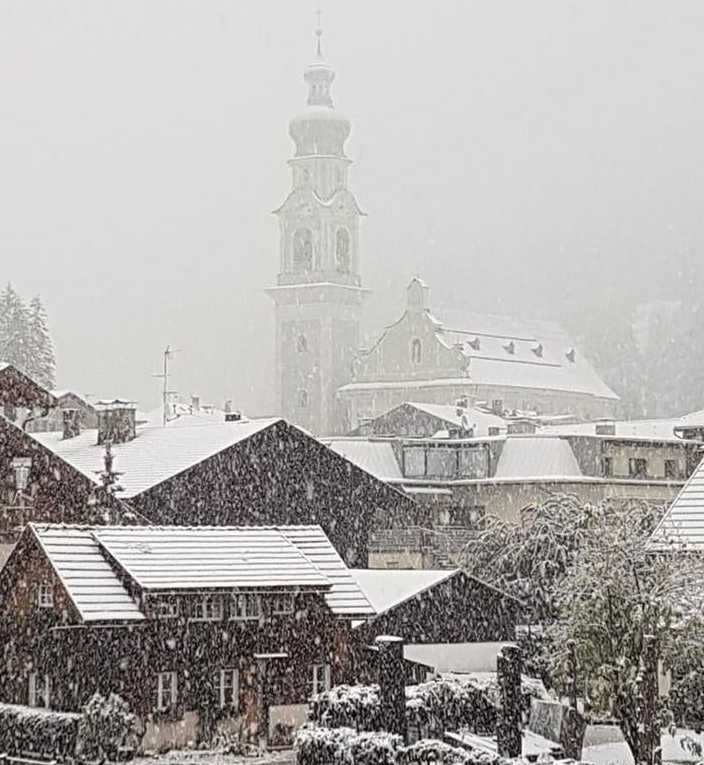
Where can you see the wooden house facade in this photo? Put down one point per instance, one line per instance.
(198, 629)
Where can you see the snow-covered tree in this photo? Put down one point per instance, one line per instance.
(24, 337)
(40, 349)
(528, 558)
(615, 592)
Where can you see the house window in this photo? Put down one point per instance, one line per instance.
(467, 517)
(283, 603)
(302, 398)
(672, 469)
(473, 463)
(442, 462)
(637, 467)
(39, 691)
(166, 690)
(416, 351)
(414, 461)
(227, 682)
(45, 595)
(166, 609)
(247, 605)
(208, 609)
(607, 467)
(318, 679)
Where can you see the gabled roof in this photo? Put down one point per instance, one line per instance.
(471, 417)
(90, 582)
(21, 390)
(537, 457)
(374, 457)
(87, 560)
(155, 454)
(386, 588)
(683, 524)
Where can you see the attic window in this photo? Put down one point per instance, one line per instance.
(571, 355)
(510, 347)
(474, 344)
(45, 595)
(538, 350)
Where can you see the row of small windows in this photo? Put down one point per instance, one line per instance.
(638, 468)
(303, 250)
(226, 683)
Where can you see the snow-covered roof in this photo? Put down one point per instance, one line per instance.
(90, 581)
(386, 588)
(183, 558)
(374, 457)
(661, 429)
(181, 415)
(178, 558)
(537, 457)
(155, 454)
(471, 417)
(455, 657)
(683, 523)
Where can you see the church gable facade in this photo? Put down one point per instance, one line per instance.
(505, 363)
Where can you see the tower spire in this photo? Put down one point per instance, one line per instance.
(319, 34)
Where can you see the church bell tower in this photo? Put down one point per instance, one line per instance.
(318, 294)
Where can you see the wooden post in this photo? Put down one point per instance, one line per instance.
(650, 751)
(508, 726)
(262, 705)
(392, 684)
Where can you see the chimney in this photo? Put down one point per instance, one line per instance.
(116, 421)
(228, 405)
(195, 404)
(520, 426)
(497, 406)
(71, 423)
(605, 428)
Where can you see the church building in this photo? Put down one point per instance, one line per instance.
(324, 382)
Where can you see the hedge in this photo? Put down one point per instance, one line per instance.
(37, 731)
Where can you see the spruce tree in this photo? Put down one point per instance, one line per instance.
(41, 364)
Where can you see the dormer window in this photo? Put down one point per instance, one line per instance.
(416, 351)
(208, 609)
(45, 595)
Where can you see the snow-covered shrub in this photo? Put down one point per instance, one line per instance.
(315, 745)
(372, 748)
(37, 731)
(353, 706)
(432, 752)
(105, 727)
(450, 704)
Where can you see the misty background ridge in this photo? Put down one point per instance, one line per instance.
(539, 159)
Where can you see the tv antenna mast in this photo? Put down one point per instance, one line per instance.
(164, 375)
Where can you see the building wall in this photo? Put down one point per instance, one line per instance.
(437, 545)
(54, 421)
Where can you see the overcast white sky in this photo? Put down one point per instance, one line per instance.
(529, 157)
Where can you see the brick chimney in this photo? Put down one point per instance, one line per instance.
(195, 404)
(71, 423)
(116, 421)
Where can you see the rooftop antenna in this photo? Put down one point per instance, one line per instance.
(164, 375)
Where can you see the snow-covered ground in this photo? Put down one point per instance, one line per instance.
(604, 745)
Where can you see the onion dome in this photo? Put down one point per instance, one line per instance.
(320, 130)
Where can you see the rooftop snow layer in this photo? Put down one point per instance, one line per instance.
(386, 588)
(537, 457)
(155, 454)
(683, 523)
(374, 457)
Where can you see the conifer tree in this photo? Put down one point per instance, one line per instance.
(41, 364)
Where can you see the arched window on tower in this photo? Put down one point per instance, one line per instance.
(342, 250)
(416, 351)
(302, 398)
(302, 250)
(301, 344)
